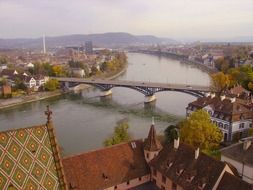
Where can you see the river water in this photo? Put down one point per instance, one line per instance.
(83, 121)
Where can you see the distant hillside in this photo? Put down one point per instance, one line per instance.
(104, 40)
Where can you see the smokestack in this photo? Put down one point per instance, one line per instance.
(44, 44)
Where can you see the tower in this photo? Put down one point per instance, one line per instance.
(152, 146)
(44, 44)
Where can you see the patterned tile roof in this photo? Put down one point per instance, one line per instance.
(29, 159)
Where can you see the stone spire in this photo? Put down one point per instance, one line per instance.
(152, 143)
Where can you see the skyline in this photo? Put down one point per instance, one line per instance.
(182, 19)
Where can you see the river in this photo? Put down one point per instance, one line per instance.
(83, 121)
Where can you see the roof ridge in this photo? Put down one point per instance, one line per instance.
(102, 148)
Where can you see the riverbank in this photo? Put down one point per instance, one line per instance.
(7, 103)
(182, 59)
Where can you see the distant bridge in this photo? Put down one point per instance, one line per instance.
(146, 88)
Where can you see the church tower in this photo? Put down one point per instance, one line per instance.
(152, 146)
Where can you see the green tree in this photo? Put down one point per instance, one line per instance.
(199, 131)
(120, 134)
(171, 133)
(52, 84)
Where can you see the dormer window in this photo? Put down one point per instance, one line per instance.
(105, 177)
(169, 164)
(179, 172)
(201, 186)
(190, 178)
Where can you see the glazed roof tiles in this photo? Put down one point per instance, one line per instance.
(183, 169)
(29, 159)
(106, 167)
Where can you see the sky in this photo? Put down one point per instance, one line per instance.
(177, 19)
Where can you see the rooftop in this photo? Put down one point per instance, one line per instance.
(238, 153)
(106, 167)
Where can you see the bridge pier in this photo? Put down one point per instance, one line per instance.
(149, 99)
(105, 93)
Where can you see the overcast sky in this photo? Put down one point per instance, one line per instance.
(164, 18)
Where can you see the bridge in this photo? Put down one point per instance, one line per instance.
(146, 88)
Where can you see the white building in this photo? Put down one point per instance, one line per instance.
(231, 115)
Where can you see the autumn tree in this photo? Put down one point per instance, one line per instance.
(58, 71)
(219, 82)
(52, 84)
(120, 134)
(199, 131)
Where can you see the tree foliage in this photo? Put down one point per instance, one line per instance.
(199, 131)
(120, 134)
(171, 133)
(52, 84)
(219, 82)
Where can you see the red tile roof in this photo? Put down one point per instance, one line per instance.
(106, 167)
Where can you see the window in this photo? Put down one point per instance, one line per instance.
(139, 178)
(241, 126)
(226, 126)
(162, 187)
(115, 187)
(174, 186)
(154, 172)
(128, 182)
(163, 179)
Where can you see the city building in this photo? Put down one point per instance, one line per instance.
(88, 47)
(240, 155)
(231, 114)
(30, 159)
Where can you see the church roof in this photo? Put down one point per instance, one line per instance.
(29, 159)
(152, 143)
(106, 167)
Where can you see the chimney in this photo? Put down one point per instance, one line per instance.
(196, 153)
(232, 100)
(207, 94)
(212, 95)
(246, 144)
(176, 143)
(222, 97)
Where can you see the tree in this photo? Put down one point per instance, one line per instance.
(219, 82)
(120, 134)
(199, 131)
(171, 133)
(52, 84)
(58, 71)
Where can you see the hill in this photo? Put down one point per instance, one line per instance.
(109, 40)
